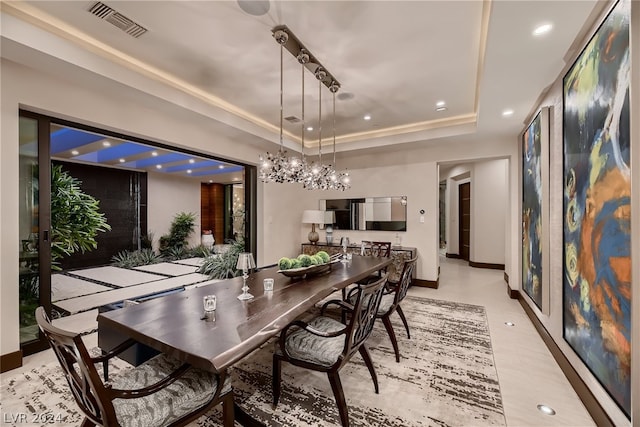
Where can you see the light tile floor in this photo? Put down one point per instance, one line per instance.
(527, 372)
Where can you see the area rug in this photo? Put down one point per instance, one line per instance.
(446, 377)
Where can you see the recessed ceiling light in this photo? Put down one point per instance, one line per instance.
(75, 152)
(122, 160)
(441, 109)
(189, 170)
(310, 128)
(440, 104)
(158, 166)
(542, 29)
(236, 179)
(106, 144)
(547, 410)
(154, 153)
(192, 161)
(507, 113)
(220, 166)
(509, 323)
(210, 181)
(367, 117)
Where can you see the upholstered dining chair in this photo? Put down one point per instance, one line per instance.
(160, 392)
(392, 296)
(326, 345)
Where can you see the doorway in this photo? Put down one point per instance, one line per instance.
(114, 167)
(464, 220)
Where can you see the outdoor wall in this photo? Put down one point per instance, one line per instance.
(488, 212)
(168, 195)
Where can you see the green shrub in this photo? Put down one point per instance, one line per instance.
(130, 259)
(223, 265)
(182, 226)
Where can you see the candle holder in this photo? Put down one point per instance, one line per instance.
(245, 263)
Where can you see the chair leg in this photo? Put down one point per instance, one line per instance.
(389, 327)
(404, 320)
(367, 361)
(275, 378)
(338, 394)
(228, 411)
(87, 423)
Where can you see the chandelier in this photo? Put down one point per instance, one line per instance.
(280, 167)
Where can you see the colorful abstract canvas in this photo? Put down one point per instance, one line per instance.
(532, 212)
(597, 208)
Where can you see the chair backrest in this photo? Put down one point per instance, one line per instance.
(362, 319)
(377, 249)
(405, 279)
(83, 378)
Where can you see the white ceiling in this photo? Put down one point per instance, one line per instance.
(394, 60)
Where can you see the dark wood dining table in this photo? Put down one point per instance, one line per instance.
(175, 324)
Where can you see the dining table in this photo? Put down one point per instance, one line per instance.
(176, 325)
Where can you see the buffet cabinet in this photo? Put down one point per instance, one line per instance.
(398, 254)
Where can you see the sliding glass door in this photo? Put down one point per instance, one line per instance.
(34, 200)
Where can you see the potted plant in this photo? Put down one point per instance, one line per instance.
(207, 239)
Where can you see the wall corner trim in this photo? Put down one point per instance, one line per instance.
(592, 405)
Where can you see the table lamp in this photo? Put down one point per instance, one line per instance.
(313, 217)
(329, 220)
(245, 263)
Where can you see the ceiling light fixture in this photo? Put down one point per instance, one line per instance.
(154, 153)
(542, 29)
(367, 117)
(281, 168)
(220, 166)
(210, 181)
(106, 144)
(122, 160)
(75, 152)
(440, 104)
(439, 109)
(507, 113)
(189, 171)
(509, 323)
(192, 161)
(158, 166)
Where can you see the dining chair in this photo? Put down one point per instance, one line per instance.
(161, 392)
(376, 249)
(392, 296)
(326, 345)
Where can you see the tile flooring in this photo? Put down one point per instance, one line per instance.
(527, 372)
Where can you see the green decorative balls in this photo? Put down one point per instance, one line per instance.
(324, 256)
(295, 263)
(284, 263)
(305, 260)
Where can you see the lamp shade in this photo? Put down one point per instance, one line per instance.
(329, 217)
(245, 261)
(313, 217)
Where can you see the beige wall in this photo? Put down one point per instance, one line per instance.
(168, 195)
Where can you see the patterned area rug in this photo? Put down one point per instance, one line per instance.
(446, 377)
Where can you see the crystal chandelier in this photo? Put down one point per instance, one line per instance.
(281, 168)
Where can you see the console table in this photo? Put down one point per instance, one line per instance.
(398, 255)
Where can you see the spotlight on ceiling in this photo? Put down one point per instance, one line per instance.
(507, 113)
(106, 144)
(367, 117)
(75, 152)
(158, 166)
(440, 104)
(192, 161)
(154, 153)
(121, 160)
(542, 29)
(547, 410)
(509, 323)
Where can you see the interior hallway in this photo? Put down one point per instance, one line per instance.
(528, 373)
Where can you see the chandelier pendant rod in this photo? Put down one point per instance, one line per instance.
(281, 96)
(303, 121)
(320, 121)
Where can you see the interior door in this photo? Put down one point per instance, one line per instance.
(464, 211)
(34, 211)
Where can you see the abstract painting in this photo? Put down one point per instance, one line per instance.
(597, 208)
(532, 212)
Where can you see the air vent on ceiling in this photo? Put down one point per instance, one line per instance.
(292, 119)
(117, 19)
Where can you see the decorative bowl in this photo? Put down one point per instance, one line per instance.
(312, 270)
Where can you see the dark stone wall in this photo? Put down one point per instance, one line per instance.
(116, 191)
